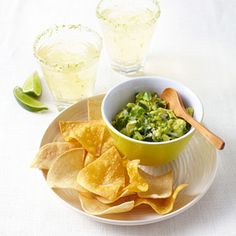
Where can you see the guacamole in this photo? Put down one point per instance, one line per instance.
(148, 119)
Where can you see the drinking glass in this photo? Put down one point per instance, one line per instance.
(68, 55)
(127, 27)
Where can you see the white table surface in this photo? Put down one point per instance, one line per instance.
(194, 43)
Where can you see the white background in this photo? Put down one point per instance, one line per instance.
(194, 43)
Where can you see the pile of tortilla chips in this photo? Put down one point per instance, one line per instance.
(106, 181)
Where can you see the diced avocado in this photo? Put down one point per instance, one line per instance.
(148, 119)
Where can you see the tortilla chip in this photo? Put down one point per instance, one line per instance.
(94, 207)
(49, 152)
(136, 181)
(90, 137)
(64, 170)
(88, 134)
(104, 176)
(58, 138)
(124, 193)
(161, 206)
(89, 158)
(159, 186)
(94, 107)
(107, 141)
(68, 129)
(133, 181)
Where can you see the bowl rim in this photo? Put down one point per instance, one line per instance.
(112, 128)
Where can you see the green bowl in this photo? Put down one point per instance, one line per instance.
(149, 153)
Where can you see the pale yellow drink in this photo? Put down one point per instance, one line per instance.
(69, 65)
(127, 28)
(70, 84)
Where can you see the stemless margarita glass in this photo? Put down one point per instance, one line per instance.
(68, 55)
(127, 27)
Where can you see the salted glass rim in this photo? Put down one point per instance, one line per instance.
(49, 32)
(104, 18)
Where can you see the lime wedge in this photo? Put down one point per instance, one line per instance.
(28, 102)
(32, 85)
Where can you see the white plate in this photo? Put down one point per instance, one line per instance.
(197, 166)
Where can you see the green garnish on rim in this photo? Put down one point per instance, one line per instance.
(148, 119)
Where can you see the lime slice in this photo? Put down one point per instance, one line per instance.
(28, 102)
(32, 85)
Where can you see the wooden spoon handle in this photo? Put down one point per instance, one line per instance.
(215, 140)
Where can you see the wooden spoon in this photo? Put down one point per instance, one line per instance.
(175, 103)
